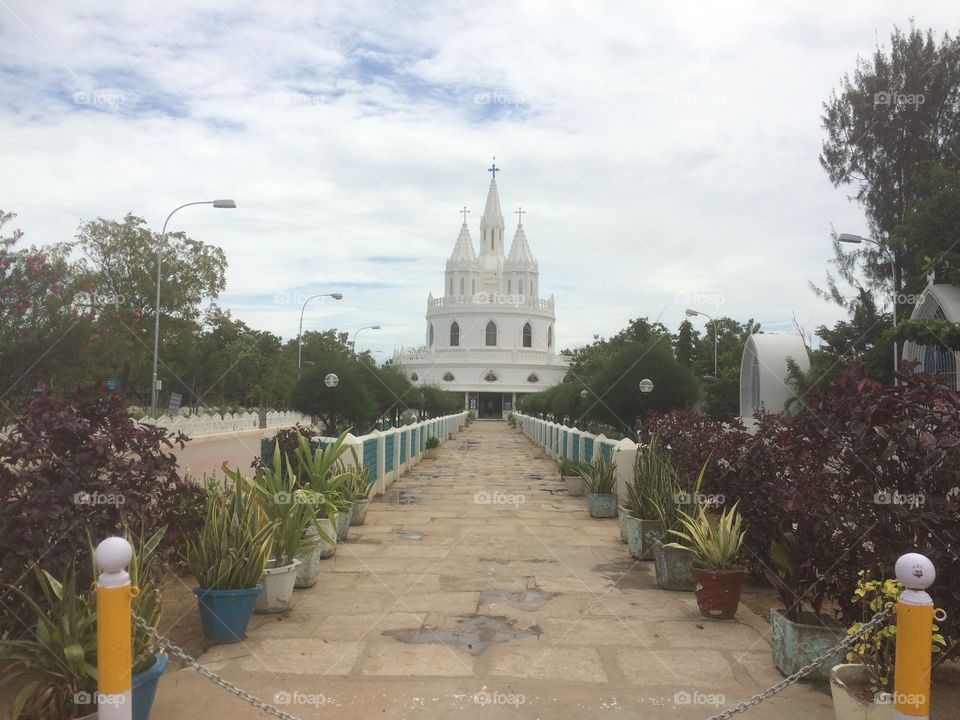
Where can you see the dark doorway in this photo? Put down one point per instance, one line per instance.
(491, 405)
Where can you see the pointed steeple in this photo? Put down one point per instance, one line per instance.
(520, 258)
(463, 254)
(492, 217)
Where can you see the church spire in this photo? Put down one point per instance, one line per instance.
(463, 254)
(492, 216)
(521, 257)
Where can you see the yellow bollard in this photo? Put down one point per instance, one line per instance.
(911, 689)
(114, 637)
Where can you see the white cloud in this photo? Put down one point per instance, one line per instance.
(658, 151)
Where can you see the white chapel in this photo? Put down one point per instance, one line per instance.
(490, 335)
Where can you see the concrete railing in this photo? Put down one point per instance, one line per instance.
(569, 443)
(387, 454)
(195, 425)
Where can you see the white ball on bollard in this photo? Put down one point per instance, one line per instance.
(113, 554)
(915, 571)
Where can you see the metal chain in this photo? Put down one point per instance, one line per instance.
(728, 713)
(806, 669)
(210, 675)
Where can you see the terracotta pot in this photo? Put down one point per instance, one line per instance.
(718, 591)
(847, 704)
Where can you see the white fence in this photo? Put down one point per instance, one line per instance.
(195, 425)
(562, 442)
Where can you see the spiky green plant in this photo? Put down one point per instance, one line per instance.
(599, 476)
(651, 491)
(55, 667)
(357, 487)
(147, 604)
(323, 470)
(715, 543)
(234, 545)
(570, 467)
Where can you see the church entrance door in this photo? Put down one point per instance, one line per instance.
(491, 405)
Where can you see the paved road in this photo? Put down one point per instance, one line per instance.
(206, 455)
(479, 589)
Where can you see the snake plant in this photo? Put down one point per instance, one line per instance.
(715, 543)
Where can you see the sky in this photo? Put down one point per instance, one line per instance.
(666, 154)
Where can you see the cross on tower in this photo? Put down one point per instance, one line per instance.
(464, 211)
(493, 168)
(519, 212)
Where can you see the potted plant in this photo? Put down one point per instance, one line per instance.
(56, 663)
(715, 545)
(570, 473)
(322, 471)
(358, 487)
(862, 687)
(799, 631)
(275, 489)
(653, 479)
(228, 559)
(431, 446)
(320, 534)
(672, 561)
(601, 479)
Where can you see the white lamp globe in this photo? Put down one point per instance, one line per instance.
(646, 385)
(113, 554)
(331, 380)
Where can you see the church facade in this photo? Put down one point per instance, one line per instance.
(490, 335)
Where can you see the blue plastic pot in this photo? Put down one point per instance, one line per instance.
(145, 687)
(224, 614)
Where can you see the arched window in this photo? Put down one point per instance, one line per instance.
(527, 335)
(520, 287)
(414, 377)
(451, 286)
(509, 287)
(448, 377)
(550, 336)
(455, 334)
(473, 287)
(532, 378)
(462, 282)
(430, 336)
(491, 334)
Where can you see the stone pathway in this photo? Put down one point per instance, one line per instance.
(479, 589)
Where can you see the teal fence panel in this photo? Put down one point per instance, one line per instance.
(563, 450)
(370, 459)
(588, 450)
(575, 438)
(606, 451)
(388, 453)
(403, 446)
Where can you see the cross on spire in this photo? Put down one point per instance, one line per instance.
(464, 211)
(519, 213)
(493, 168)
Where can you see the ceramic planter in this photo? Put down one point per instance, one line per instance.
(343, 523)
(327, 547)
(224, 614)
(602, 506)
(575, 486)
(796, 644)
(718, 591)
(309, 563)
(144, 687)
(622, 515)
(643, 537)
(360, 507)
(673, 568)
(278, 585)
(846, 703)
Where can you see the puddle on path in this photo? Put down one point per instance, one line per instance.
(410, 534)
(402, 497)
(626, 574)
(520, 599)
(473, 634)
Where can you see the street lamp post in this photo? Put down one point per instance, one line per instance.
(357, 332)
(226, 204)
(335, 296)
(692, 313)
(851, 239)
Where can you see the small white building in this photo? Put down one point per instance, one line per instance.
(490, 335)
(939, 301)
(763, 372)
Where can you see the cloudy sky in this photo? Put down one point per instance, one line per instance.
(666, 154)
